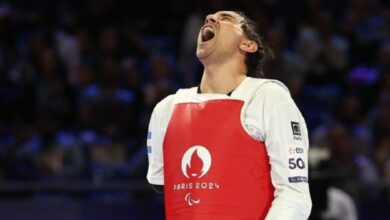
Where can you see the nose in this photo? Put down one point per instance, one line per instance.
(211, 19)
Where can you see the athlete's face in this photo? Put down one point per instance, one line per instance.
(220, 35)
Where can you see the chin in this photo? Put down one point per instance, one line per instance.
(203, 53)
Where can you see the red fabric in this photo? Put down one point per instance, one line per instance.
(225, 173)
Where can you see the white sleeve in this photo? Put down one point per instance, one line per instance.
(157, 128)
(283, 129)
(288, 158)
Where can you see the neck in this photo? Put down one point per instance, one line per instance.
(222, 78)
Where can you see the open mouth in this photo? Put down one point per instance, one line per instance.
(208, 33)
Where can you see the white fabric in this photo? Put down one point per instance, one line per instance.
(268, 116)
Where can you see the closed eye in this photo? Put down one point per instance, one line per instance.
(226, 17)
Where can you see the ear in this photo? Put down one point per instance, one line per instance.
(249, 46)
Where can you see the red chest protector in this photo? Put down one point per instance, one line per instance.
(213, 170)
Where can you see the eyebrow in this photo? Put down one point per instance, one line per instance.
(226, 15)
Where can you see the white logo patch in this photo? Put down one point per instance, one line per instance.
(196, 162)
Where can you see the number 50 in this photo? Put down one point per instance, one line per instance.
(292, 163)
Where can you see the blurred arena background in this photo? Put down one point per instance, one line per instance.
(78, 81)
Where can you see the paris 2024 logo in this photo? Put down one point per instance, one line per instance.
(195, 164)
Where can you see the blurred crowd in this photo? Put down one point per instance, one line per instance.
(79, 79)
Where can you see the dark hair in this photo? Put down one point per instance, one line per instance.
(254, 61)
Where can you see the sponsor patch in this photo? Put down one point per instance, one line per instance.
(296, 129)
(297, 179)
(295, 150)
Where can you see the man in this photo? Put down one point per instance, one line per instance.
(235, 147)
